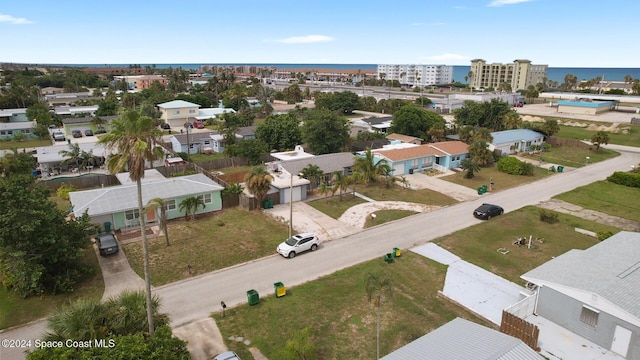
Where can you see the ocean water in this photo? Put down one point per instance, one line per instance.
(459, 72)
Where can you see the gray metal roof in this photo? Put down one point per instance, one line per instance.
(125, 197)
(194, 137)
(177, 104)
(462, 339)
(610, 269)
(328, 163)
(86, 119)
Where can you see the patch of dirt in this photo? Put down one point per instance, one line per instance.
(133, 234)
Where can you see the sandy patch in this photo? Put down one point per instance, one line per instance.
(357, 215)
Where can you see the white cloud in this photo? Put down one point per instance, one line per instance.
(305, 39)
(506, 2)
(13, 20)
(445, 57)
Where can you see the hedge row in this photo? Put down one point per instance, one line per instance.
(513, 166)
(625, 178)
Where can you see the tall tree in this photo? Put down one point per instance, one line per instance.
(480, 153)
(258, 182)
(470, 167)
(599, 138)
(134, 140)
(17, 162)
(280, 132)
(313, 173)
(324, 131)
(378, 289)
(39, 247)
(72, 156)
(412, 120)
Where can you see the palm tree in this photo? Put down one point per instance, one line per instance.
(313, 173)
(324, 189)
(356, 178)
(470, 166)
(378, 288)
(599, 138)
(340, 181)
(369, 168)
(81, 320)
(134, 138)
(159, 203)
(470, 77)
(126, 312)
(190, 206)
(87, 159)
(72, 155)
(99, 123)
(258, 182)
(402, 75)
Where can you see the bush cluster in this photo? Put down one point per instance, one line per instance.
(625, 178)
(548, 216)
(64, 190)
(513, 166)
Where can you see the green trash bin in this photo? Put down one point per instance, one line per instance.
(560, 168)
(396, 252)
(481, 190)
(280, 289)
(388, 258)
(253, 297)
(267, 204)
(107, 227)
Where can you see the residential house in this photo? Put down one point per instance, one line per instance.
(213, 113)
(410, 158)
(594, 292)
(176, 113)
(118, 205)
(379, 124)
(14, 122)
(514, 141)
(405, 138)
(67, 99)
(463, 339)
(328, 163)
(75, 110)
(246, 133)
(196, 142)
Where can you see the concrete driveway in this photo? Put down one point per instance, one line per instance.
(117, 274)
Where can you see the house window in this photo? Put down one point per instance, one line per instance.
(176, 112)
(206, 198)
(589, 316)
(131, 215)
(171, 205)
(192, 111)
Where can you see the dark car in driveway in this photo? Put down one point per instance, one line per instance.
(487, 211)
(76, 133)
(107, 244)
(88, 132)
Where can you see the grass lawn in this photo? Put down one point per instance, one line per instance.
(235, 169)
(343, 321)
(573, 156)
(61, 203)
(610, 198)
(208, 243)
(10, 144)
(379, 192)
(383, 216)
(630, 139)
(501, 180)
(478, 244)
(206, 157)
(333, 206)
(15, 311)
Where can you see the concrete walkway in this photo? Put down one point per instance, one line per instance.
(458, 192)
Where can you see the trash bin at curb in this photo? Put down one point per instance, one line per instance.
(396, 252)
(560, 168)
(253, 297)
(280, 289)
(388, 258)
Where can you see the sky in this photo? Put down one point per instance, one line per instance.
(559, 33)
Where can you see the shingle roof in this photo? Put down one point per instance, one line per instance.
(194, 137)
(401, 137)
(512, 136)
(177, 104)
(86, 119)
(124, 197)
(451, 147)
(246, 130)
(462, 339)
(410, 153)
(610, 269)
(328, 163)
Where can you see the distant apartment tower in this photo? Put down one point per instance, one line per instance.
(519, 74)
(417, 75)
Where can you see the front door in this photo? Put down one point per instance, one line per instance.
(621, 339)
(151, 215)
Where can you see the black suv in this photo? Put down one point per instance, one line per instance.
(76, 133)
(487, 211)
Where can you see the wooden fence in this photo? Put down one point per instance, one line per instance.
(82, 182)
(517, 327)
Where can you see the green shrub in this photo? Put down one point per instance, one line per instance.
(625, 178)
(64, 190)
(604, 235)
(513, 166)
(549, 217)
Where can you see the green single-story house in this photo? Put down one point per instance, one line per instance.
(118, 205)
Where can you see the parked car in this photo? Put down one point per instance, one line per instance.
(198, 124)
(88, 132)
(107, 244)
(58, 136)
(76, 133)
(487, 211)
(227, 355)
(165, 126)
(297, 244)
